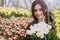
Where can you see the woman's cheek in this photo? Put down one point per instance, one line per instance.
(42, 17)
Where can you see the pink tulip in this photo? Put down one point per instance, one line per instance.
(0, 32)
(10, 39)
(16, 27)
(8, 33)
(13, 31)
(14, 38)
(25, 26)
(2, 38)
(1, 26)
(10, 27)
(22, 35)
(21, 32)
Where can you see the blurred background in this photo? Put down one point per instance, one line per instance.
(52, 4)
(18, 12)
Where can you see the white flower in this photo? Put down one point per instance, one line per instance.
(29, 32)
(31, 27)
(39, 29)
(40, 34)
(49, 27)
(58, 35)
(46, 31)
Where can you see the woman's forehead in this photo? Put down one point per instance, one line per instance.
(37, 6)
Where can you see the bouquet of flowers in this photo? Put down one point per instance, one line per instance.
(40, 29)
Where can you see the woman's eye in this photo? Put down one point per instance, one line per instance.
(35, 10)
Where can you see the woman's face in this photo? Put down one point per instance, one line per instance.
(38, 12)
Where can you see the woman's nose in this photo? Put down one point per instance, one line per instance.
(38, 12)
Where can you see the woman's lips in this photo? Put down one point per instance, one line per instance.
(38, 15)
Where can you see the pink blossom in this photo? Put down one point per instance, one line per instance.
(10, 39)
(14, 38)
(1, 26)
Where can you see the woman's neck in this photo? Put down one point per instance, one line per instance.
(40, 20)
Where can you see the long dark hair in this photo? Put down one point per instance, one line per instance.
(43, 6)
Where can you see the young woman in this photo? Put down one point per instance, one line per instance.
(39, 12)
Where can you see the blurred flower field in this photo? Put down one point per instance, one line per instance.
(14, 21)
(55, 15)
(8, 12)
